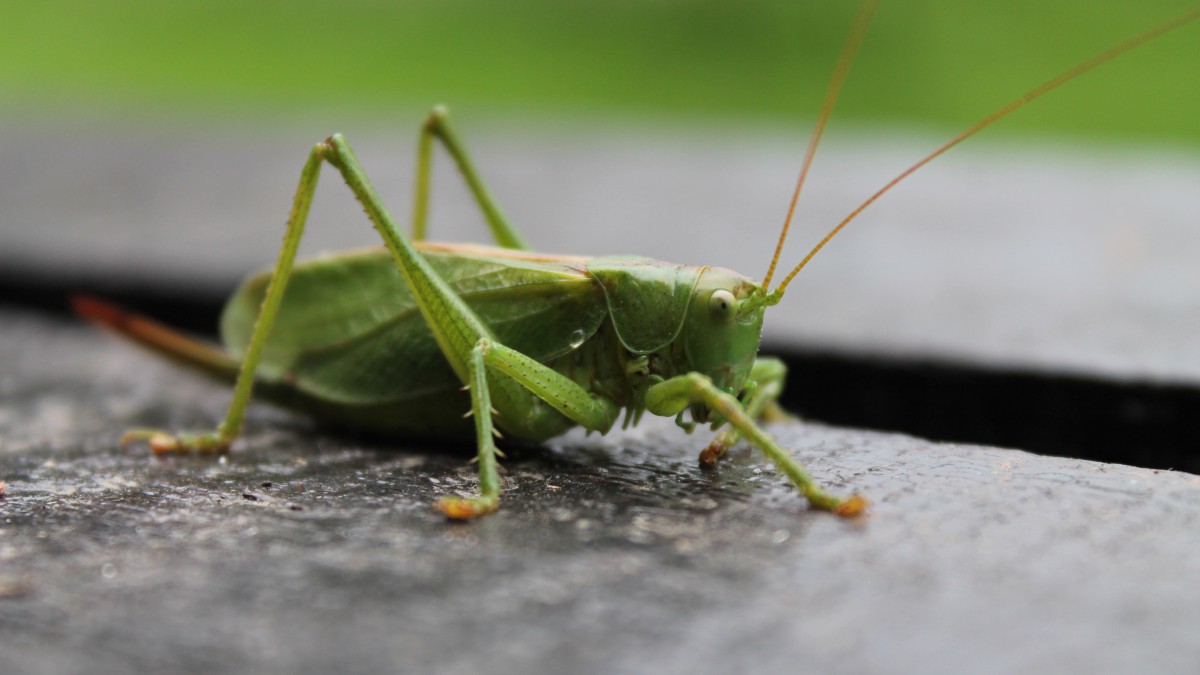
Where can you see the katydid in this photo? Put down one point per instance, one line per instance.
(455, 340)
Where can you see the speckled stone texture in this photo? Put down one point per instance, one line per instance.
(307, 552)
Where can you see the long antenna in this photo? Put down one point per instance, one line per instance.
(853, 41)
(1032, 94)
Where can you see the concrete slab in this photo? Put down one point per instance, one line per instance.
(306, 552)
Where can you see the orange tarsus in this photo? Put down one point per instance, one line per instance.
(711, 454)
(852, 507)
(163, 444)
(457, 508)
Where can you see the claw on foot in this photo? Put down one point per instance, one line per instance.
(710, 455)
(162, 443)
(851, 507)
(459, 508)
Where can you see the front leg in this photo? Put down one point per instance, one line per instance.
(767, 378)
(671, 397)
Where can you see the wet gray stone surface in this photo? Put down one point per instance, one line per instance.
(308, 552)
(304, 551)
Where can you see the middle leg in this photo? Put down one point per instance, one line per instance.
(670, 397)
(513, 382)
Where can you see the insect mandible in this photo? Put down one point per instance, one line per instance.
(408, 338)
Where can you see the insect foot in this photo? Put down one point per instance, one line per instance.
(852, 506)
(712, 454)
(459, 508)
(163, 443)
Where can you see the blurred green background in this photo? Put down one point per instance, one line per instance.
(925, 63)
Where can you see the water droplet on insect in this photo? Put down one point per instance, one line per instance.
(577, 337)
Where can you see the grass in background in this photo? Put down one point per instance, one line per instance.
(924, 61)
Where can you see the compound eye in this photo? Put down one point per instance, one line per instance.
(722, 305)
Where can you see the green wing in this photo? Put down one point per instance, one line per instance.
(349, 332)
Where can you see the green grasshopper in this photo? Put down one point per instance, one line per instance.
(406, 339)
